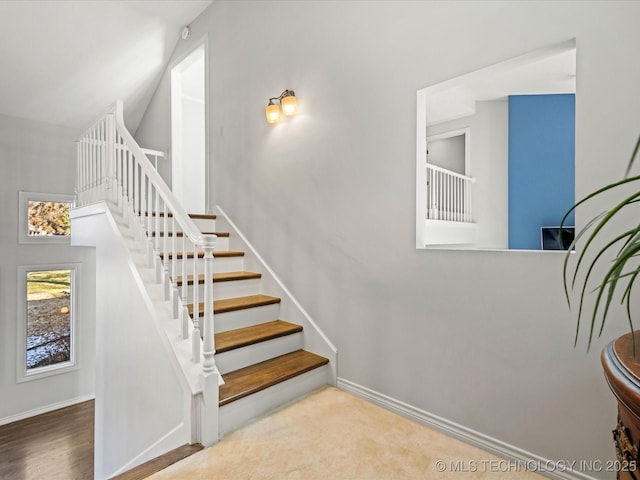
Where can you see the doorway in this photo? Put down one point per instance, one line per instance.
(188, 126)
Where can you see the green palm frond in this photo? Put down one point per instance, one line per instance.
(621, 273)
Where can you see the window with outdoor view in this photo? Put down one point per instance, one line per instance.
(44, 218)
(47, 324)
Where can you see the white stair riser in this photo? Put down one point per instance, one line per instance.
(259, 352)
(239, 288)
(220, 264)
(204, 225)
(236, 414)
(245, 318)
(222, 243)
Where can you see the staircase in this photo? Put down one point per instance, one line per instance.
(239, 344)
(255, 349)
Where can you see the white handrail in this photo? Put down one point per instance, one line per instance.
(171, 202)
(451, 173)
(113, 167)
(156, 154)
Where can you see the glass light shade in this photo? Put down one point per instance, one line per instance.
(289, 105)
(273, 113)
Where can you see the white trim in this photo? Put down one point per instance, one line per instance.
(421, 172)
(23, 216)
(462, 433)
(22, 373)
(148, 453)
(45, 409)
(148, 151)
(297, 304)
(176, 122)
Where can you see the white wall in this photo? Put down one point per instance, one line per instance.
(142, 406)
(39, 157)
(480, 338)
(448, 153)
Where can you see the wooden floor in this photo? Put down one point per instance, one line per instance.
(54, 445)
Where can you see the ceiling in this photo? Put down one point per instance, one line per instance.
(65, 61)
(550, 70)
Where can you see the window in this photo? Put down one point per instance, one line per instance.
(44, 217)
(46, 320)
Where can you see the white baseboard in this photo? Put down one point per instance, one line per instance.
(169, 441)
(501, 449)
(45, 409)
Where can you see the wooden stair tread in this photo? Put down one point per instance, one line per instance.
(254, 378)
(242, 337)
(159, 463)
(216, 253)
(236, 303)
(199, 216)
(221, 277)
(181, 234)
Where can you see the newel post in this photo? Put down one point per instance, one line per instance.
(209, 378)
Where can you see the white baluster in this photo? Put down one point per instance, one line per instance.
(439, 203)
(120, 170)
(465, 199)
(87, 166)
(156, 238)
(96, 139)
(469, 195)
(132, 191)
(111, 157)
(165, 249)
(185, 290)
(101, 157)
(450, 197)
(174, 269)
(103, 160)
(78, 169)
(130, 183)
(208, 347)
(90, 158)
(82, 170)
(143, 210)
(195, 339)
(460, 199)
(150, 220)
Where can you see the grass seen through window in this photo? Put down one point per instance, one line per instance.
(48, 318)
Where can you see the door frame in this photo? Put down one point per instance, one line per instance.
(203, 43)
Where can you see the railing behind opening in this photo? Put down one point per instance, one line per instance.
(112, 167)
(448, 195)
(153, 155)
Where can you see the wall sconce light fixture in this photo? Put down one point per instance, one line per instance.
(288, 103)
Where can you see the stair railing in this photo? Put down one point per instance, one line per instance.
(153, 154)
(112, 167)
(448, 195)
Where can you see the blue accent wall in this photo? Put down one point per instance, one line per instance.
(541, 165)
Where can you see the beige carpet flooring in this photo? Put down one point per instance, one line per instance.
(332, 434)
